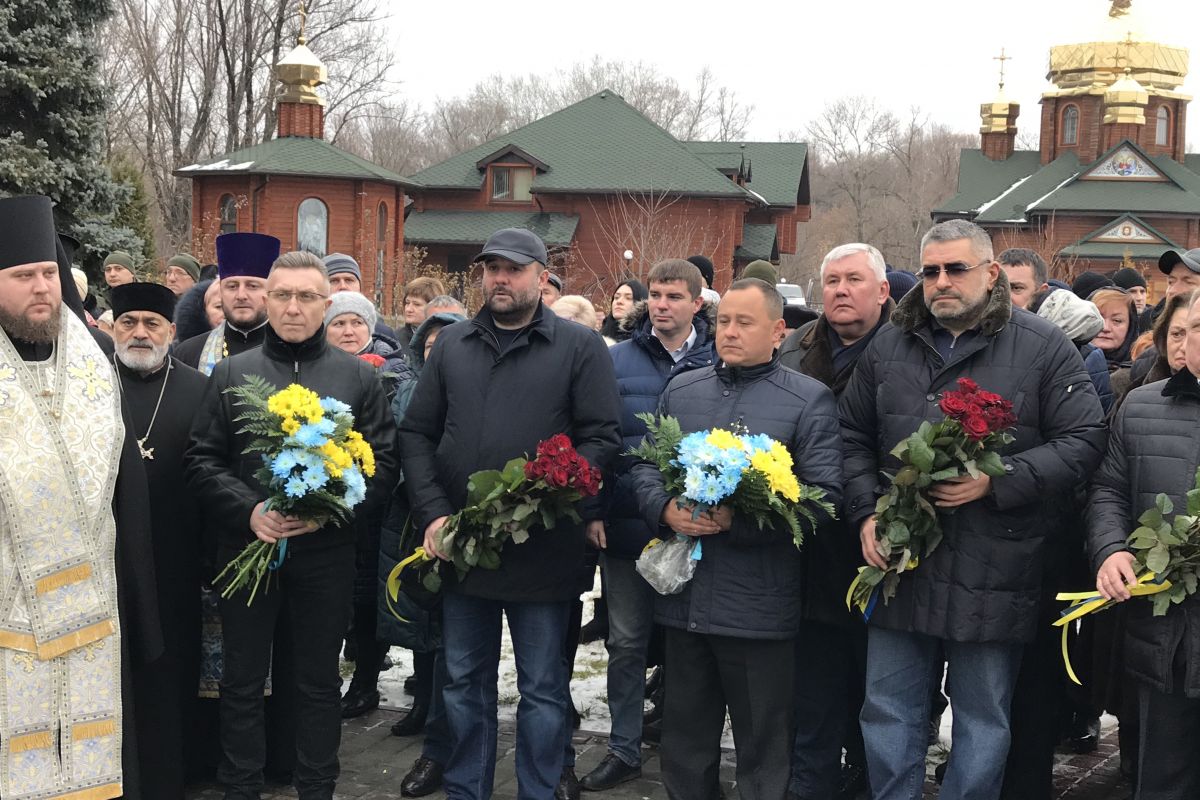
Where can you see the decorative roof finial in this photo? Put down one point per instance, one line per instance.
(1002, 58)
(301, 39)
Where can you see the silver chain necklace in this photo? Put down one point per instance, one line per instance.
(147, 452)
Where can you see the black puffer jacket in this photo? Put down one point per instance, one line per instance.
(643, 368)
(1154, 447)
(747, 583)
(476, 408)
(828, 562)
(983, 581)
(222, 474)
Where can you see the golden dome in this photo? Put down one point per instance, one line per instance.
(1125, 100)
(999, 115)
(301, 72)
(1092, 67)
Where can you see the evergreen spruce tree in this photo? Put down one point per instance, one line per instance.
(52, 120)
(134, 212)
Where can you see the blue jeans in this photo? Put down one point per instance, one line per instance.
(471, 634)
(630, 622)
(895, 716)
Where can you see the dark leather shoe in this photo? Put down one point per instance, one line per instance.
(568, 785)
(413, 721)
(654, 682)
(1085, 735)
(410, 685)
(359, 701)
(424, 778)
(594, 631)
(611, 772)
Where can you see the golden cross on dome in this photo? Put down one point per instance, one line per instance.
(1002, 58)
(303, 19)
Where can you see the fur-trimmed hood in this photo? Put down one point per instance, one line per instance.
(191, 318)
(912, 314)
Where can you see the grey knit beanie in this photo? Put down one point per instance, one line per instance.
(351, 303)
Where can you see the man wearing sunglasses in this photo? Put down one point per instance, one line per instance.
(974, 599)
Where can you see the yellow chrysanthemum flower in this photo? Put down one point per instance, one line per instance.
(723, 439)
(290, 426)
(780, 478)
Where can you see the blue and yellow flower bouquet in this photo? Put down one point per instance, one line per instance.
(315, 467)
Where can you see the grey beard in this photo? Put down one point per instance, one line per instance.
(19, 327)
(963, 319)
(521, 308)
(141, 360)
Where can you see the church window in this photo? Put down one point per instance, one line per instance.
(1162, 127)
(1070, 125)
(312, 227)
(228, 208)
(380, 251)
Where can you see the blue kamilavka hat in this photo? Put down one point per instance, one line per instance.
(246, 255)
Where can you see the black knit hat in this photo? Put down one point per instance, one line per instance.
(28, 231)
(1128, 277)
(152, 297)
(705, 265)
(1088, 282)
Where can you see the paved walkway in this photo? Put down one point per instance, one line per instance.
(374, 761)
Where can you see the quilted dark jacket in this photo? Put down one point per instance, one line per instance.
(748, 582)
(982, 583)
(1154, 447)
(643, 368)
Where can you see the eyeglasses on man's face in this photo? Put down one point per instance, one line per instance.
(955, 269)
(283, 297)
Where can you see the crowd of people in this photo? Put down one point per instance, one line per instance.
(129, 480)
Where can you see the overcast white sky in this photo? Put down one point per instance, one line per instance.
(787, 59)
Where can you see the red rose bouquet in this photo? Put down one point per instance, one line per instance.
(965, 442)
(502, 505)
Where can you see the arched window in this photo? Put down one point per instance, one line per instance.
(312, 227)
(381, 226)
(228, 210)
(1162, 127)
(1070, 125)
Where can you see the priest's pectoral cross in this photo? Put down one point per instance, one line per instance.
(147, 452)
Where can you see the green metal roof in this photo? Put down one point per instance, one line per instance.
(295, 155)
(474, 227)
(758, 241)
(779, 167)
(601, 145)
(981, 180)
(1013, 190)
(1117, 251)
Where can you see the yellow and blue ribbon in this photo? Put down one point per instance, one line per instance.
(1084, 603)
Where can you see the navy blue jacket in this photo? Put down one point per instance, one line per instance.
(748, 582)
(643, 368)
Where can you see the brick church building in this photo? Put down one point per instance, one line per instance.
(1110, 184)
(611, 193)
(304, 191)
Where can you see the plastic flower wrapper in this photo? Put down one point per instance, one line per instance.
(1166, 555)
(752, 474)
(966, 441)
(315, 467)
(502, 505)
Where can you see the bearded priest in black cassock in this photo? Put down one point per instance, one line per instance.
(77, 599)
(161, 396)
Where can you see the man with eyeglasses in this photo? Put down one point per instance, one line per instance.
(975, 597)
(312, 589)
(243, 263)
